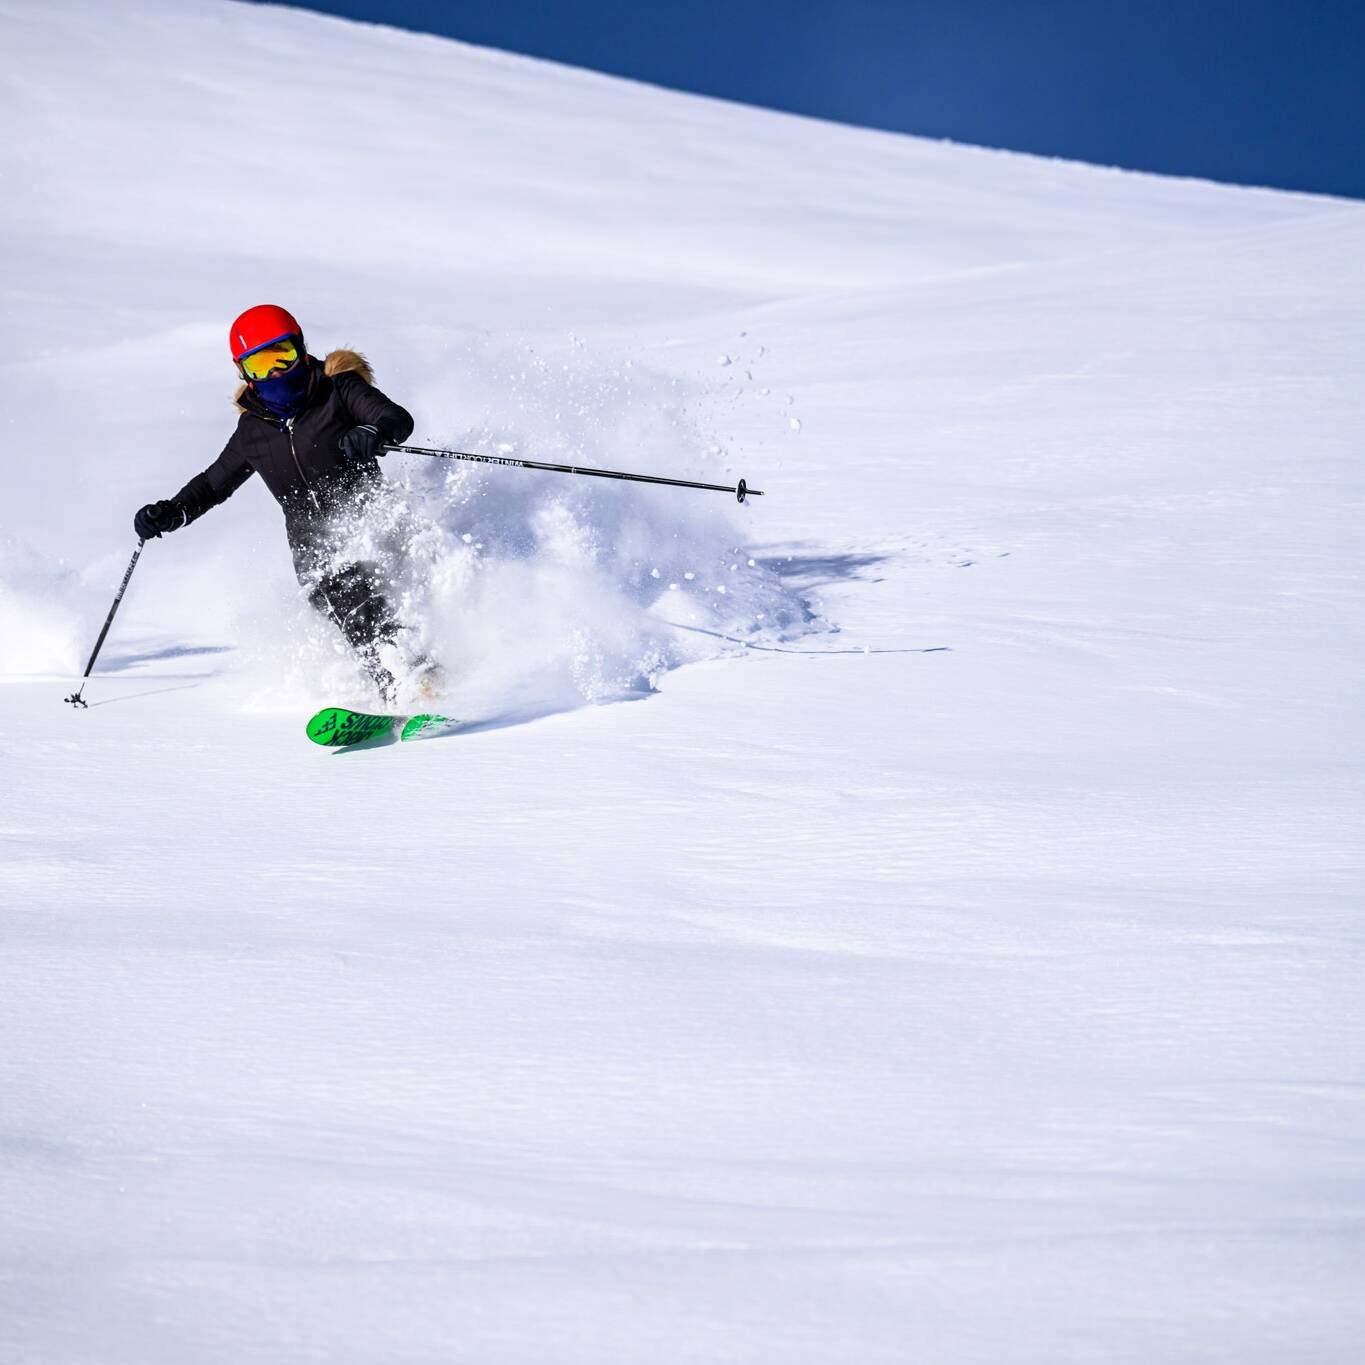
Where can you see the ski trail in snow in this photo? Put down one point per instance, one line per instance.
(785, 649)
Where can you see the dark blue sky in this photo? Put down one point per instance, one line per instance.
(1264, 92)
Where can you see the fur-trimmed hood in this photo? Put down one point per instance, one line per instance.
(344, 361)
(341, 361)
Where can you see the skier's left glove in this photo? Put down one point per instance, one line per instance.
(362, 443)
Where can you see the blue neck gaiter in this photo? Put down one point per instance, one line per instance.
(283, 393)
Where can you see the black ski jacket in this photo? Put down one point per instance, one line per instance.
(301, 460)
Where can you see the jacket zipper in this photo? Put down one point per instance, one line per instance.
(289, 429)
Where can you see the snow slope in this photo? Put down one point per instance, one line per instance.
(796, 995)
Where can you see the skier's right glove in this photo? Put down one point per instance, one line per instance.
(151, 521)
(362, 443)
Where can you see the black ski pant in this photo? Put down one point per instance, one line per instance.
(351, 595)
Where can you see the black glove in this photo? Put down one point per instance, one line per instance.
(156, 517)
(362, 443)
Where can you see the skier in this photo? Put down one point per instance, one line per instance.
(313, 430)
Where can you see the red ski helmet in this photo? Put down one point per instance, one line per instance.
(260, 326)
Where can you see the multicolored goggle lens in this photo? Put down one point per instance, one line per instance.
(275, 358)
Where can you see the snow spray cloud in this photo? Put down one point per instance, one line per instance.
(544, 591)
(47, 612)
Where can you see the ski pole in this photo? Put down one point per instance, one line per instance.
(75, 698)
(740, 490)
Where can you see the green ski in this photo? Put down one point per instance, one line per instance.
(339, 728)
(428, 726)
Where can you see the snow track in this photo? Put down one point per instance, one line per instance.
(998, 1003)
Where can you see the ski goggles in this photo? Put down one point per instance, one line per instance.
(273, 358)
